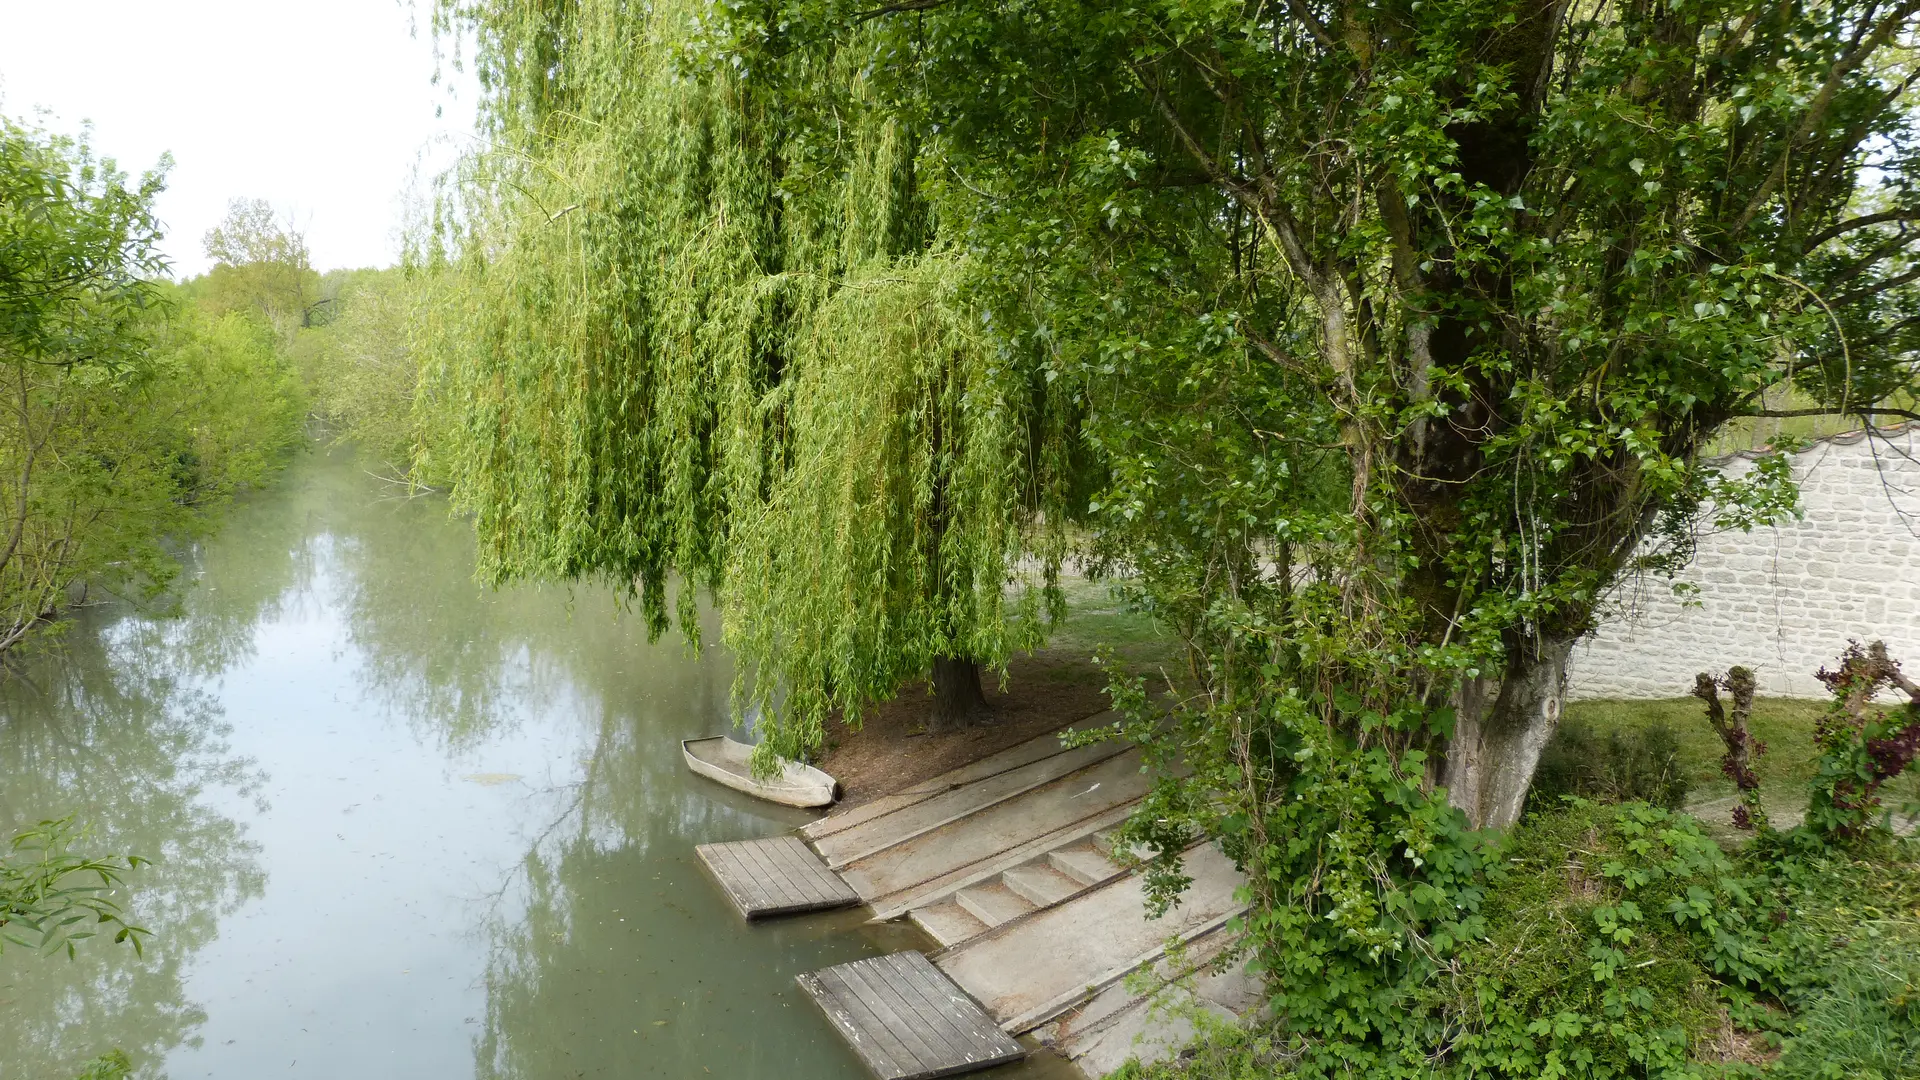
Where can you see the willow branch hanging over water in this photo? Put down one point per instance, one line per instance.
(709, 339)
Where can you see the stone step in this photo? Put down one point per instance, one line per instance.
(1105, 840)
(1034, 749)
(1037, 968)
(948, 922)
(993, 903)
(943, 887)
(957, 804)
(1040, 883)
(1083, 864)
(1081, 796)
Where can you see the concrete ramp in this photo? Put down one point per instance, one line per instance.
(921, 854)
(1120, 1022)
(1034, 749)
(1029, 970)
(957, 801)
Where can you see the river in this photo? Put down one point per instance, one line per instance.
(403, 825)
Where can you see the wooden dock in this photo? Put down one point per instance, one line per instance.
(907, 1020)
(775, 876)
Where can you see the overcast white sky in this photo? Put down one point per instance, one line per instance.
(322, 108)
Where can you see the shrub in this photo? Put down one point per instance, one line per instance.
(1613, 941)
(1635, 764)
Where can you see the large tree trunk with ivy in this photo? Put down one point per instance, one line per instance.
(1501, 724)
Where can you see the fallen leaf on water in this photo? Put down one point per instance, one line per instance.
(493, 779)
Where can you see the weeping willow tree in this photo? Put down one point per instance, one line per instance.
(707, 339)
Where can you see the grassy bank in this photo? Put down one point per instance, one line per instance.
(1784, 725)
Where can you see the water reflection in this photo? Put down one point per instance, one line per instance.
(108, 729)
(406, 826)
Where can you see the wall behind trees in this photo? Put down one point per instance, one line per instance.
(1782, 599)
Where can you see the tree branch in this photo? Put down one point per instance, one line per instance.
(1891, 283)
(898, 8)
(1268, 212)
(1817, 111)
(1313, 24)
(1864, 222)
(1904, 414)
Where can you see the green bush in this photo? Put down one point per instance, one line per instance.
(1622, 765)
(1615, 942)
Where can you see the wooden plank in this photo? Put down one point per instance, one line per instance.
(749, 879)
(723, 865)
(879, 1034)
(768, 871)
(899, 1020)
(850, 1028)
(810, 863)
(809, 876)
(915, 999)
(800, 868)
(959, 1010)
(774, 876)
(907, 1020)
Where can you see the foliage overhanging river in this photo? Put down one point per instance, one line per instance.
(403, 826)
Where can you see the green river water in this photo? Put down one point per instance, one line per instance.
(403, 826)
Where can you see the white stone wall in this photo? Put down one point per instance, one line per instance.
(1781, 600)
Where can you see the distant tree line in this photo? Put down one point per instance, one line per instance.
(131, 411)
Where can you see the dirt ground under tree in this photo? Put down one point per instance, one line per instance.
(893, 750)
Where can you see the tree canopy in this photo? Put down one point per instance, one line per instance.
(1372, 342)
(706, 335)
(123, 414)
(1394, 330)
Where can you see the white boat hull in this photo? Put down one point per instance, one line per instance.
(725, 761)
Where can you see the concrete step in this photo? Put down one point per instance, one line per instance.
(948, 922)
(1035, 749)
(993, 903)
(1120, 1022)
(1105, 842)
(942, 887)
(1083, 864)
(1040, 883)
(902, 825)
(1078, 796)
(1040, 967)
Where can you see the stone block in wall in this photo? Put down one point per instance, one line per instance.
(1782, 599)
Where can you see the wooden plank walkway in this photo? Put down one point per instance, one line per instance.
(775, 876)
(907, 1020)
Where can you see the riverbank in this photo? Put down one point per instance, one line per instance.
(892, 749)
(1043, 691)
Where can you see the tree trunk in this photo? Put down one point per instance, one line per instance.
(1499, 731)
(957, 698)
